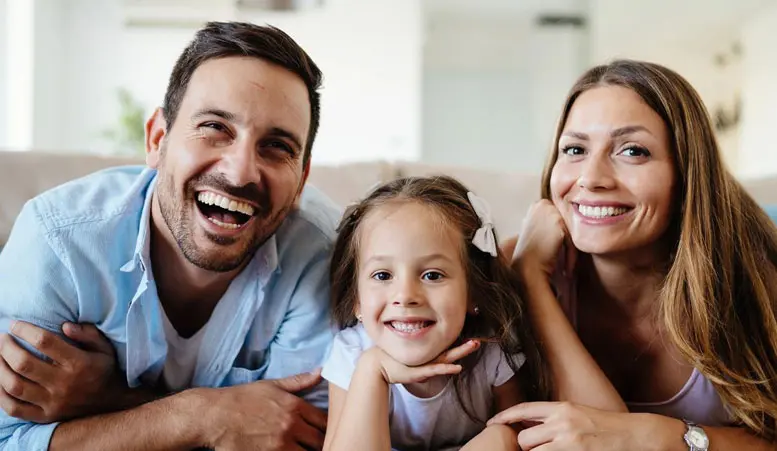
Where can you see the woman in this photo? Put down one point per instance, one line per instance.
(651, 277)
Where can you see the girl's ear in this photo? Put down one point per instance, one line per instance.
(357, 313)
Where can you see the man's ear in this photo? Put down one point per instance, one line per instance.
(305, 174)
(156, 129)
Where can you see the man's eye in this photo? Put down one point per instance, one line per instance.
(282, 146)
(214, 126)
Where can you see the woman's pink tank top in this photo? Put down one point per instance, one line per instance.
(697, 401)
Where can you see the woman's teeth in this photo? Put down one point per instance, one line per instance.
(600, 212)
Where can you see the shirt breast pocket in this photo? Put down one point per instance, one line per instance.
(238, 375)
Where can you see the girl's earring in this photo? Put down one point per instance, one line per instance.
(358, 317)
(476, 310)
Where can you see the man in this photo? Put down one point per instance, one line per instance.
(207, 269)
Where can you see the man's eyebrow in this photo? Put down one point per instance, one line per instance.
(226, 115)
(283, 133)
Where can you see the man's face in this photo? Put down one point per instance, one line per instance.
(230, 166)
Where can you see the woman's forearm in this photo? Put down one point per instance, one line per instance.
(667, 435)
(576, 375)
(364, 423)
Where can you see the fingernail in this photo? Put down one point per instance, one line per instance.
(74, 326)
(13, 326)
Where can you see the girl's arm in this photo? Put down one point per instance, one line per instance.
(358, 418)
(500, 436)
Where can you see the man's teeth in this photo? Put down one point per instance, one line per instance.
(600, 212)
(408, 327)
(224, 224)
(209, 198)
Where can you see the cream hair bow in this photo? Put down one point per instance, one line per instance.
(484, 238)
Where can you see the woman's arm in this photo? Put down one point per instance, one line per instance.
(573, 427)
(576, 376)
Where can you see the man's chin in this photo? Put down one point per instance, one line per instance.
(218, 254)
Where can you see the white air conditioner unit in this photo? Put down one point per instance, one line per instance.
(194, 13)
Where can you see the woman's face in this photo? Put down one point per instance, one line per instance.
(614, 178)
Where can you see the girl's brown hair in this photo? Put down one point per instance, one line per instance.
(491, 284)
(718, 302)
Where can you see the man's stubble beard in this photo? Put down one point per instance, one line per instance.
(180, 224)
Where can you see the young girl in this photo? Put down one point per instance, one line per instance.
(418, 284)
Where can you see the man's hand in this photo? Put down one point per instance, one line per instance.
(76, 383)
(264, 415)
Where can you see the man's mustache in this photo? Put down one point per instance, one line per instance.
(250, 191)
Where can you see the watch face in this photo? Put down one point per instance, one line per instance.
(698, 438)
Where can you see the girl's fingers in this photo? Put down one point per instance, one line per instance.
(459, 352)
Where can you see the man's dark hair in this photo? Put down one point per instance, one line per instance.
(224, 39)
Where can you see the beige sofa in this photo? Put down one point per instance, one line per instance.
(25, 174)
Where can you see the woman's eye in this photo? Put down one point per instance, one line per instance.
(635, 151)
(381, 276)
(432, 276)
(572, 150)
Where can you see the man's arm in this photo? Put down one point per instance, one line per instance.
(72, 382)
(35, 286)
(160, 424)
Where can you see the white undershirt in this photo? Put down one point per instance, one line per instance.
(181, 356)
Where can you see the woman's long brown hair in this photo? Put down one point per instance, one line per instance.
(718, 302)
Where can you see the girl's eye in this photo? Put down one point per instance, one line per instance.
(572, 150)
(635, 151)
(381, 276)
(432, 276)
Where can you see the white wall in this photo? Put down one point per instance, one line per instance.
(370, 54)
(372, 72)
(3, 68)
(48, 103)
(493, 88)
(757, 154)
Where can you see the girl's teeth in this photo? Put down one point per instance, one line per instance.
(407, 327)
(600, 212)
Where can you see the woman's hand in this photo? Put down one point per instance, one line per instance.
(541, 239)
(395, 372)
(552, 426)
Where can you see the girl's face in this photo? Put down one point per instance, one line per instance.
(614, 177)
(412, 284)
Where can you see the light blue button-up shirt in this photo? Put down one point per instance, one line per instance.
(80, 252)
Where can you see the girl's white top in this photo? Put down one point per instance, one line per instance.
(436, 423)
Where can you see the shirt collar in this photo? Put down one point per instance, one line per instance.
(142, 252)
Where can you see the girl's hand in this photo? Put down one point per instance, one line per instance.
(396, 373)
(553, 426)
(541, 240)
